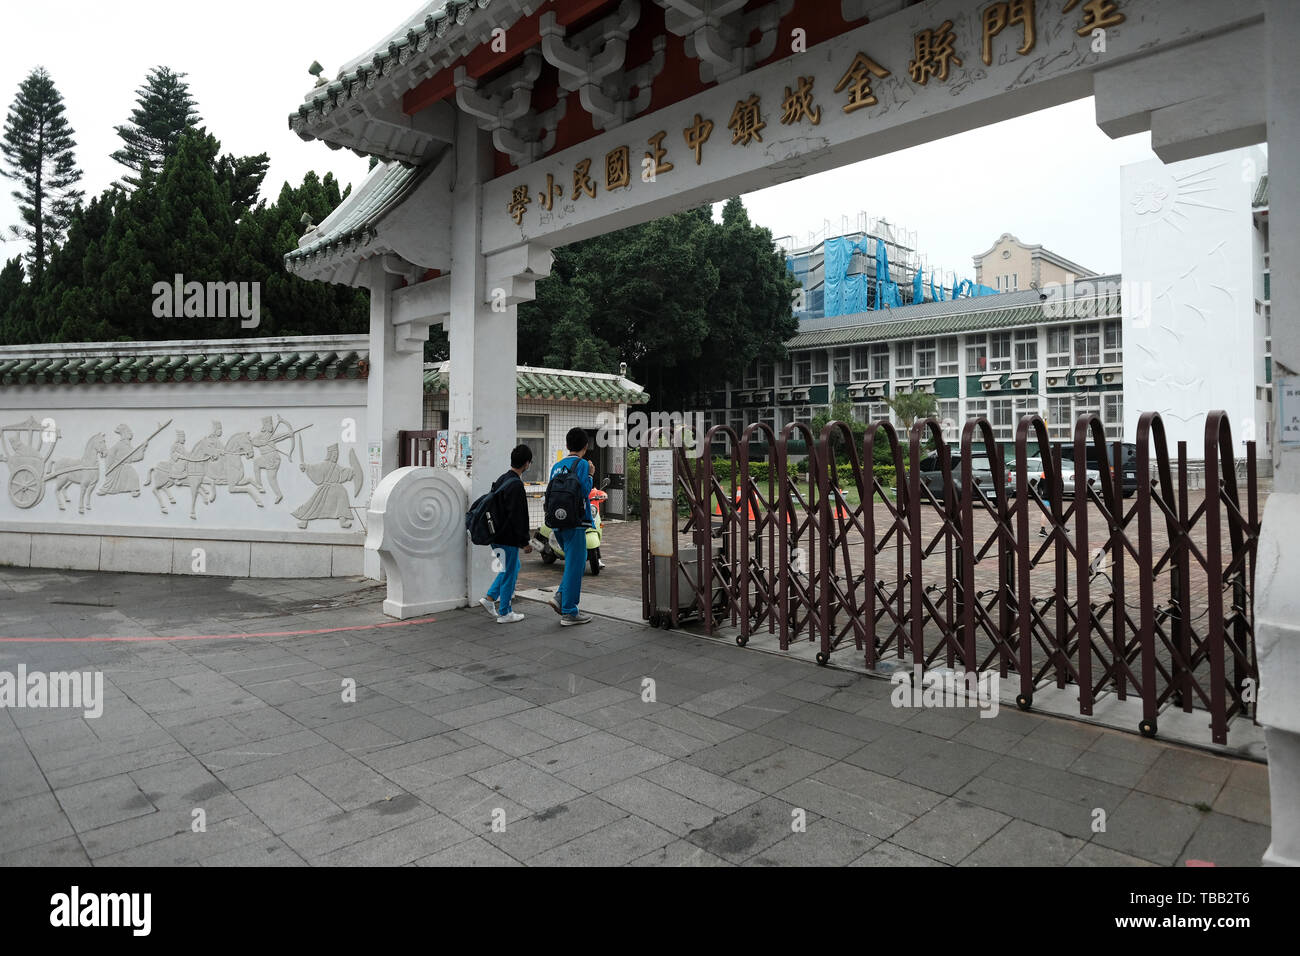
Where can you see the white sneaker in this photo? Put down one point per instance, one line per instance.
(490, 606)
(511, 618)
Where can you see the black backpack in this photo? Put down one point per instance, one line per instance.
(563, 504)
(486, 517)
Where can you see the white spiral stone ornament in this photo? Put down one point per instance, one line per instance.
(417, 526)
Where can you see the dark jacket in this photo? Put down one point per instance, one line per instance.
(514, 507)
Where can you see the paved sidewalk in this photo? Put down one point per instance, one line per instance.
(460, 722)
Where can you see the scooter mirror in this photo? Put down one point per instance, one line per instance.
(604, 484)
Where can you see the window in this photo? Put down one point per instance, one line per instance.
(926, 359)
(803, 368)
(872, 413)
(948, 356)
(1026, 346)
(904, 366)
(751, 375)
(1058, 347)
(1112, 408)
(841, 366)
(1060, 418)
(1112, 343)
(1026, 405)
(821, 368)
(977, 354)
(787, 373)
(879, 362)
(1000, 352)
(738, 422)
(949, 409)
(1087, 344)
(1085, 405)
(530, 430)
(977, 408)
(861, 368)
(1000, 417)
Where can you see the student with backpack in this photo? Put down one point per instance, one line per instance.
(568, 512)
(506, 516)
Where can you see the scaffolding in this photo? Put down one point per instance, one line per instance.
(807, 260)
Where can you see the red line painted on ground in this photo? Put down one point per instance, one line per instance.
(209, 637)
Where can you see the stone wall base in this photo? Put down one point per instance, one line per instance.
(197, 555)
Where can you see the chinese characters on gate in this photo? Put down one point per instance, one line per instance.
(934, 53)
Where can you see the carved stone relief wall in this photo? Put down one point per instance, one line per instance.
(276, 469)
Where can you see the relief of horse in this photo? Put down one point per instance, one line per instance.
(83, 472)
(226, 468)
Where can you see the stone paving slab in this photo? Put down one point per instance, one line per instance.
(476, 744)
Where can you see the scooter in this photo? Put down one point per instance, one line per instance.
(549, 545)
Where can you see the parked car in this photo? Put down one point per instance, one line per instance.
(1127, 463)
(1037, 475)
(932, 476)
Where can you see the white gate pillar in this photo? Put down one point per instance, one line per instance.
(1277, 602)
(394, 384)
(483, 335)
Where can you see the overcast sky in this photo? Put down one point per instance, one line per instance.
(1050, 178)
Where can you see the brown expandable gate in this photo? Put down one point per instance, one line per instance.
(1157, 604)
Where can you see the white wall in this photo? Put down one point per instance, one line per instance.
(1187, 237)
(126, 531)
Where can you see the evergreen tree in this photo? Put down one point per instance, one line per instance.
(165, 110)
(685, 301)
(242, 177)
(38, 153)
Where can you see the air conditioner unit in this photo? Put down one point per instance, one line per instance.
(1018, 381)
(1052, 380)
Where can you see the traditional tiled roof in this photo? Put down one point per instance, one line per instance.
(556, 384)
(1007, 310)
(433, 23)
(1261, 193)
(352, 224)
(249, 360)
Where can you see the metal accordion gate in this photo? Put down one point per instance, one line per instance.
(1149, 596)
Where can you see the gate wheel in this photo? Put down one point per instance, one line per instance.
(741, 640)
(653, 619)
(823, 659)
(1147, 728)
(1024, 701)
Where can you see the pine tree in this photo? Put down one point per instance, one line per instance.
(38, 153)
(154, 130)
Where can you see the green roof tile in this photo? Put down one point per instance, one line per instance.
(555, 385)
(174, 368)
